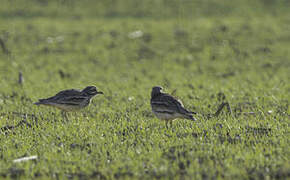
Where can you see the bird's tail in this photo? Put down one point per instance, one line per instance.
(40, 101)
(189, 116)
(191, 112)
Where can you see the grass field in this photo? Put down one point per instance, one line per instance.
(205, 52)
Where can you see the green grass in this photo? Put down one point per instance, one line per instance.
(240, 53)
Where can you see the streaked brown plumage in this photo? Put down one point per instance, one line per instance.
(71, 100)
(166, 107)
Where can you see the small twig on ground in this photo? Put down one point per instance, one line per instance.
(20, 78)
(24, 159)
(174, 92)
(229, 108)
(219, 110)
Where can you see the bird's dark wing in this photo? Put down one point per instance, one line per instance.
(69, 92)
(166, 102)
(71, 100)
(61, 95)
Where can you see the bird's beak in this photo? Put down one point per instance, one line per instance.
(100, 92)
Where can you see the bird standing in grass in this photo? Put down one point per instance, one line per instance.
(167, 108)
(71, 100)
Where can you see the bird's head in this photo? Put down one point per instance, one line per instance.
(156, 90)
(91, 91)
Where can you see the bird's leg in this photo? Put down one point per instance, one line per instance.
(85, 116)
(220, 108)
(75, 115)
(64, 115)
(171, 123)
(166, 123)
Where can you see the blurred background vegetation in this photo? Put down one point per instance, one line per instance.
(143, 8)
